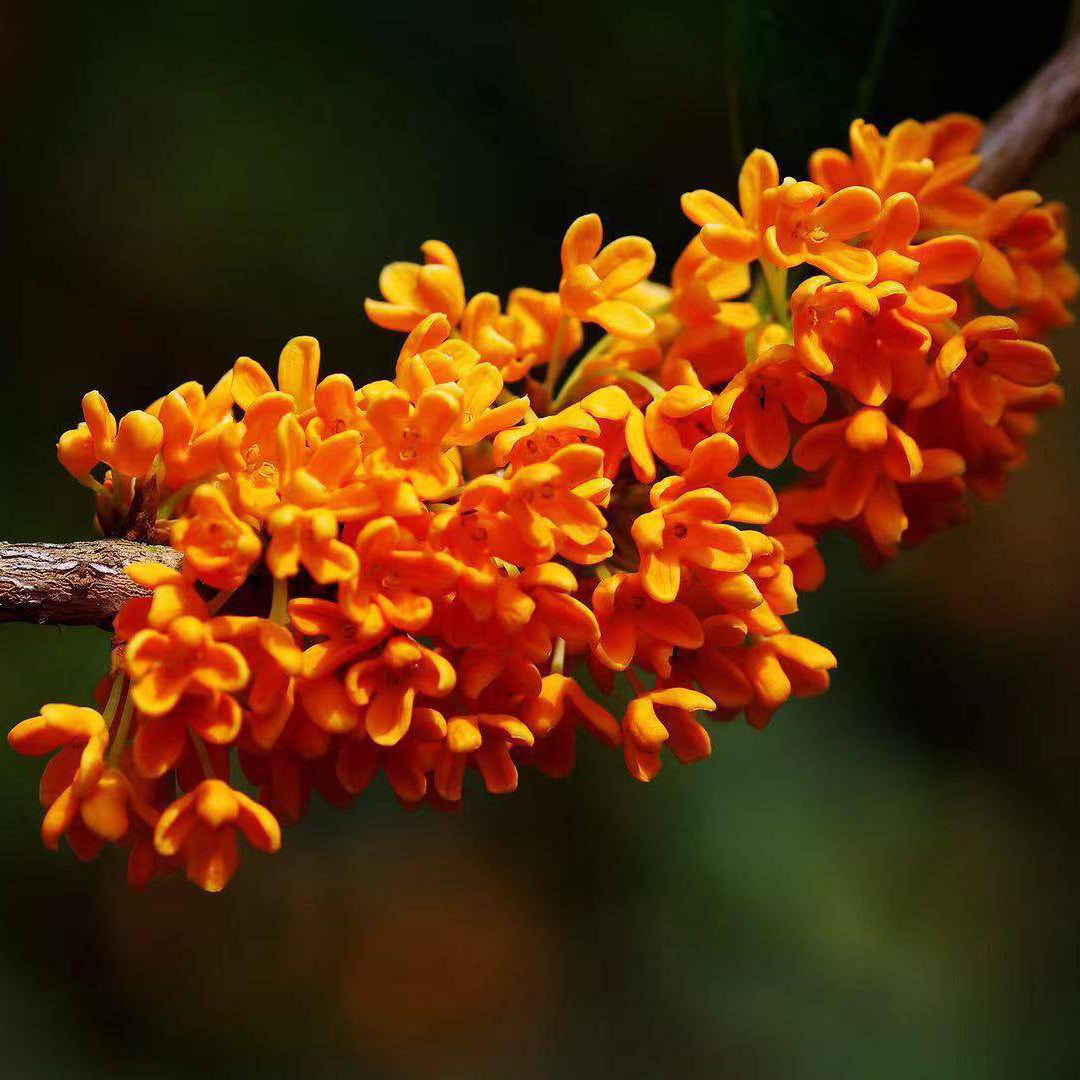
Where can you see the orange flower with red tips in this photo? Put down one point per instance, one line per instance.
(593, 278)
(200, 828)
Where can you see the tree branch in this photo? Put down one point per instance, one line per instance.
(84, 584)
(78, 584)
(1031, 127)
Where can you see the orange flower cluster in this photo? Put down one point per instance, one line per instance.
(421, 575)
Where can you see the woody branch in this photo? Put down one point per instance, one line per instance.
(84, 584)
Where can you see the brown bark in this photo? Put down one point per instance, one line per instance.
(1031, 127)
(78, 584)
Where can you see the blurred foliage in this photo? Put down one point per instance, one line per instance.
(882, 884)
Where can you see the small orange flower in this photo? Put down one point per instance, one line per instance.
(161, 741)
(689, 530)
(200, 437)
(484, 739)
(336, 409)
(553, 504)
(622, 432)
(1007, 229)
(814, 229)
(755, 405)
(859, 338)
(677, 422)
(387, 687)
(536, 440)
(477, 530)
(298, 374)
(412, 439)
(940, 260)
(593, 278)
(751, 500)
(84, 799)
(219, 548)
(129, 448)
(81, 733)
(783, 666)
(407, 764)
(308, 538)
(431, 356)
(931, 161)
(496, 337)
(200, 828)
(163, 666)
(865, 457)
(345, 640)
(274, 659)
(981, 360)
(412, 292)
(725, 232)
(664, 716)
(397, 581)
(631, 620)
(704, 288)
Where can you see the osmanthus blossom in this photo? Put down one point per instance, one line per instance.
(411, 577)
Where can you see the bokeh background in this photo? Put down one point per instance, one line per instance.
(884, 883)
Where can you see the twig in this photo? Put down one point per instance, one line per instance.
(1031, 127)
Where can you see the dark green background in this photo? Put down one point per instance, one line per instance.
(884, 883)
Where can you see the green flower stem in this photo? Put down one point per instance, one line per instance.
(122, 730)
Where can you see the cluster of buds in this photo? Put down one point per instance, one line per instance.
(420, 576)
